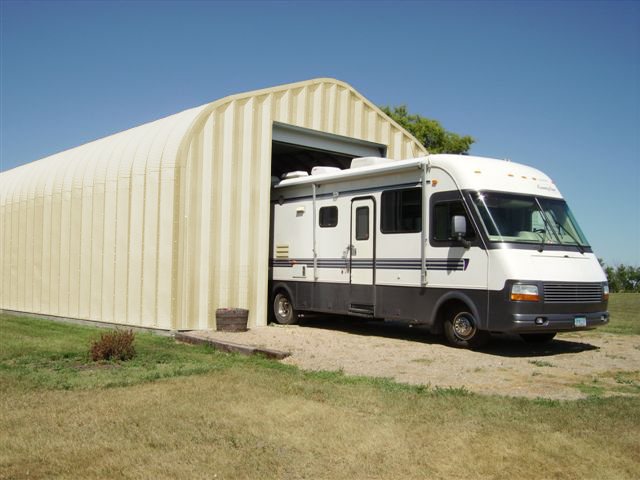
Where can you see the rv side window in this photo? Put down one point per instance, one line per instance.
(362, 223)
(443, 212)
(328, 216)
(401, 211)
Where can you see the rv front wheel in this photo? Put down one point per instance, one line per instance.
(461, 330)
(283, 309)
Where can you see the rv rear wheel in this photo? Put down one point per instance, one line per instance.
(283, 310)
(537, 337)
(461, 330)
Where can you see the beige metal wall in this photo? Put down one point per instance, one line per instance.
(88, 233)
(160, 225)
(225, 186)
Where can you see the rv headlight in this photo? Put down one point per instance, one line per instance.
(605, 292)
(525, 292)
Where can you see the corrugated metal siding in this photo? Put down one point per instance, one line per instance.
(226, 185)
(88, 233)
(160, 225)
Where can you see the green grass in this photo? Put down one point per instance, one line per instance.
(592, 390)
(629, 382)
(179, 411)
(625, 314)
(36, 353)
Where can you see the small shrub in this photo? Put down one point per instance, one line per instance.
(114, 345)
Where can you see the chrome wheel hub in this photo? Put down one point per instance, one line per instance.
(463, 326)
(283, 307)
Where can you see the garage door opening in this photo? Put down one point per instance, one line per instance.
(296, 148)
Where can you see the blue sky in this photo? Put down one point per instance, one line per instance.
(555, 85)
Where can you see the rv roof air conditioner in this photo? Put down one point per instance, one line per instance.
(369, 161)
(322, 170)
(296, 174)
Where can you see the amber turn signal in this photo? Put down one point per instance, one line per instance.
(525, 297)
(522, 292)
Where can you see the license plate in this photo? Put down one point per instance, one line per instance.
(580, 321)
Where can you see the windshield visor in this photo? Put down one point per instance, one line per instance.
(527, 219)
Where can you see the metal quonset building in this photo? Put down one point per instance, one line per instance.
(160, 225)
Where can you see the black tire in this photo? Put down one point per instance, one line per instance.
(461, 330)
(283, 311)
(537, 338)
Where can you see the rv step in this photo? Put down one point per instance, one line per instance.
(361, 310)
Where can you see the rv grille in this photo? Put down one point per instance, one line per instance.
(572, 292)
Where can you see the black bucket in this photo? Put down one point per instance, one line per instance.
(231, 319)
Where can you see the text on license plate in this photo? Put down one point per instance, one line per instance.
(580, 321)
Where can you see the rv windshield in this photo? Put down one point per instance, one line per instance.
(527, 219)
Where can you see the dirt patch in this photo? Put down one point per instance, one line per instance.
(573, 366)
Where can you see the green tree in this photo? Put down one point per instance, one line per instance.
(626, 278)
(622, 278)
(429, 132)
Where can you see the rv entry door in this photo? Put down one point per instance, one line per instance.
(362, 258)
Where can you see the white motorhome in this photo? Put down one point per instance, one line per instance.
(461, 244)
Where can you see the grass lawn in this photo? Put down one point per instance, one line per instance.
(179, 411)
(625, 314)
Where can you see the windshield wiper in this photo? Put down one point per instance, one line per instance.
(544, 237)
(546, 224)
(558, 224)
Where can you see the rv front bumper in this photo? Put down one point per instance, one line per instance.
(558, 322)
(543, 315)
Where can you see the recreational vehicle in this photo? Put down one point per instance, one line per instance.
(464, 245)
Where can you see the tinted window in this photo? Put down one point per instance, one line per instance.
(362, 223)
(401, 211)
(442, 214)
(328, 216)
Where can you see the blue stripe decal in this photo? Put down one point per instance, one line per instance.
(380, 263)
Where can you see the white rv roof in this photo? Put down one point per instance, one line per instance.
(469, 173)
(481, 173)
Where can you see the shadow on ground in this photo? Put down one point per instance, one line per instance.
(502, 345)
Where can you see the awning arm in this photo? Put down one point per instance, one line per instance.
(425, 167)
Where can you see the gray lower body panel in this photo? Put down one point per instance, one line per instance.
(410, 304)
(419, 305)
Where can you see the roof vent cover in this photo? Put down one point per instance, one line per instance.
(296, 174)
(323, 170)
(369, 161)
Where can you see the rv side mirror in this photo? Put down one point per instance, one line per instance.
(459, 229)
(458, 226)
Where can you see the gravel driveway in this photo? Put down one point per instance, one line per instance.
(570, 367)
